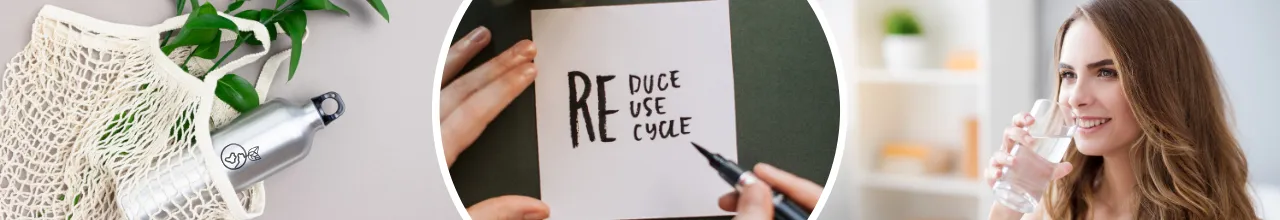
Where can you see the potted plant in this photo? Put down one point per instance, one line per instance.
(903, 46)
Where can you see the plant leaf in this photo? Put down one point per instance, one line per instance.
(320, 5)
(271, 35)
(201, 27)
(209, 50)
(181, 4)
(234, 5)
(266, 14)
(169, 34)
(207, 17)
(248, 35)
(271, 25)
(280, 3)
(249, 39)
(295, 25)
(381, 8)
(249, 14)
(261, 16)
(237, 92)
(901, 22)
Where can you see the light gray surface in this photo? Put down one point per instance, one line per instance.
(377, 161)
(1241, 37)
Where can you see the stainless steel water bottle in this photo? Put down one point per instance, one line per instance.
(268, 139)
(251, 148)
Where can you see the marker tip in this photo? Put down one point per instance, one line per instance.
(701, 150)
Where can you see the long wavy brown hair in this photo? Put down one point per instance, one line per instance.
(1186, 161)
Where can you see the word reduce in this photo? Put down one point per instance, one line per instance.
(646, 106)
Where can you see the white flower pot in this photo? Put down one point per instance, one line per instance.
(904, 52)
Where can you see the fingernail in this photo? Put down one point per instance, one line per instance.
(1028, 118)
(523, 51)
(749, 181)
(478, 34)
(529, 49)
(766, 167)
(529, 71)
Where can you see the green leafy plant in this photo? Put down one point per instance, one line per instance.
(203, 30)
(901, 22)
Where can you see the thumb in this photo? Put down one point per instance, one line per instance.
(509, 208)
(1061, 170)
(755, 202)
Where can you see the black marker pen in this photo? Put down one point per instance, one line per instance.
(783, 208)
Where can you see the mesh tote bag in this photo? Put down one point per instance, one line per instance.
(97, 123)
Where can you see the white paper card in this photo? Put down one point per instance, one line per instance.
(665, 73)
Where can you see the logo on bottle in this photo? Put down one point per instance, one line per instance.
(235, 156)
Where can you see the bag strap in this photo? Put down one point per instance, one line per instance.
(259, 33)
(272, 67)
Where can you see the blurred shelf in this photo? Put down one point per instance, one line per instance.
(919, 77)
(938, 185)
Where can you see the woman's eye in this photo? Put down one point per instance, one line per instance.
(1107, 73)
(1067, 75)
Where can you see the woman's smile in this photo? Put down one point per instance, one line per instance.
(1091, 124)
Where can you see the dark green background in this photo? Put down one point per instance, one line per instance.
(787, 99)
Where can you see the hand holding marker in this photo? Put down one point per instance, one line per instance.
(801, 190)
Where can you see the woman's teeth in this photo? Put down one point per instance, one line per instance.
(1089, 123)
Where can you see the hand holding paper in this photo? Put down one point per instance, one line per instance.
(468, 104)
(480, 95)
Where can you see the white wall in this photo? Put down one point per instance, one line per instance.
(1243, 37)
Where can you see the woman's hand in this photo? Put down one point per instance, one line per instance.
(756, 199)
(469, 102)
(1015, 134)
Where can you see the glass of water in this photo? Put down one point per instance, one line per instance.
(1022, 184)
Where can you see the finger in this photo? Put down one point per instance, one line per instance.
(1061, 170)
(1023, 119)
(462, 88)
(464, 125)
(509, 208)
(996, 169)
(802, 191)
(1009, 141)
(1015, 135)
(729, 202)
(755, 202)
(462, 51)
(1001, 159)
(992, 175)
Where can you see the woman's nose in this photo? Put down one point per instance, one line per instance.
(1078, 94)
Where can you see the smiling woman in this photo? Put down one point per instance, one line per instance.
(1154, 142)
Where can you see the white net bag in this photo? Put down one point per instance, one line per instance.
(97, 123)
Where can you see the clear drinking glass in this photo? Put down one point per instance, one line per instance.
(1022, 184)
